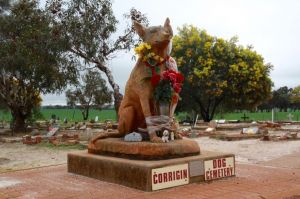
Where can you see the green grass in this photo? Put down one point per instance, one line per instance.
(75, 115)
(5, 115)
(70, 114)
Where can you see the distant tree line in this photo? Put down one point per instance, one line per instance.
(284, 99)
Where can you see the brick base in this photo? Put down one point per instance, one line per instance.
(135, 173)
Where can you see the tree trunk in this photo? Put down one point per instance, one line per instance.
(207, 112)
(116, 89)
(205, 116)
(18, 122)
(85, 113)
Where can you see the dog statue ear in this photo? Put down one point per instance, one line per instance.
(167, 23)
(140, 29)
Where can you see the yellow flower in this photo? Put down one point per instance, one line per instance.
(143, 50)
(157, 58)
(152, 54)
(148, 46)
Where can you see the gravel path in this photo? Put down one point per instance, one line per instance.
(251, 151)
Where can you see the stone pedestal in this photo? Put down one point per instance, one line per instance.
(150, 175)
(117, 147)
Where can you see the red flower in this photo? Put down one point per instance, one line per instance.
(179, 78)
(155, 80)
(175, 98)
(172, 77)
(165, 75)
(177, 87)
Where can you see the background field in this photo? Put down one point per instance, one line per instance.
(70, 114)
(75, 115)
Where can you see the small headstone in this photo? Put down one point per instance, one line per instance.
(221, 121)
(290, 117)
(133, 137)
(245, 117)
(96, 118)
(35, 132)
(52, 131)
(193, 134)
(251, 130)
(210, 130)
(65, 120)
(72, 127)
(212, 124)
(83, 127)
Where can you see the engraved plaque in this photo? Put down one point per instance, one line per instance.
(196, 168)
(170, 176)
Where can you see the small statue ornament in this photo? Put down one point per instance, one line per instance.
(172, 136)
(165, 137)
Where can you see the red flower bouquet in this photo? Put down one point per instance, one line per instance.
(169, 84)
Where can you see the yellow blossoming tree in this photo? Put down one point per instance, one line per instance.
(219, 72)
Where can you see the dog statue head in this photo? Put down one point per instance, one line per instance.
(155, 35)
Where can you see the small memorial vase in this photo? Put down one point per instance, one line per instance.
(164, 108)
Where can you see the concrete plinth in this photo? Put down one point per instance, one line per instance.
(117, 147)
(149, 175)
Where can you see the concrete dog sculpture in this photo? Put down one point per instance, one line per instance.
(138, 104)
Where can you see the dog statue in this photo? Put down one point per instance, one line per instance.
(138, 104)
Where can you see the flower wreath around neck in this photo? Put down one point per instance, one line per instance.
(168, 85)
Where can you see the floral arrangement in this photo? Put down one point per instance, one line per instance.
(166, 86)
(144, 52)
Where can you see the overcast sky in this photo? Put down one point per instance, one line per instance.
(271, 26)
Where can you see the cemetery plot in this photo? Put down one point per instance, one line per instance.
(266, 131)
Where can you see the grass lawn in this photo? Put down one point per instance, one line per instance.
(75, 115)
(70, 114)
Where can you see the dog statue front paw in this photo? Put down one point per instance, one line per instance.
(155, 139)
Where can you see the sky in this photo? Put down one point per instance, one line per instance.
(271, 26)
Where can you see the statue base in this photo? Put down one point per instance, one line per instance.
(146, 150)
(151, 175)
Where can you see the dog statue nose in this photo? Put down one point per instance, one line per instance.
(167, 35)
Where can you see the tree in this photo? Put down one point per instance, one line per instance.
(4, 5)
(32, 60)
(89, 26)
(295, 98)
(281, 98)
(93, 92)
(218, 72)
(2, 104)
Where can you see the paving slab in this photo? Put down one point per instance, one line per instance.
(252, 181)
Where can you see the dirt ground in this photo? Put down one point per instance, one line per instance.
(17, 156)
(251, 151)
